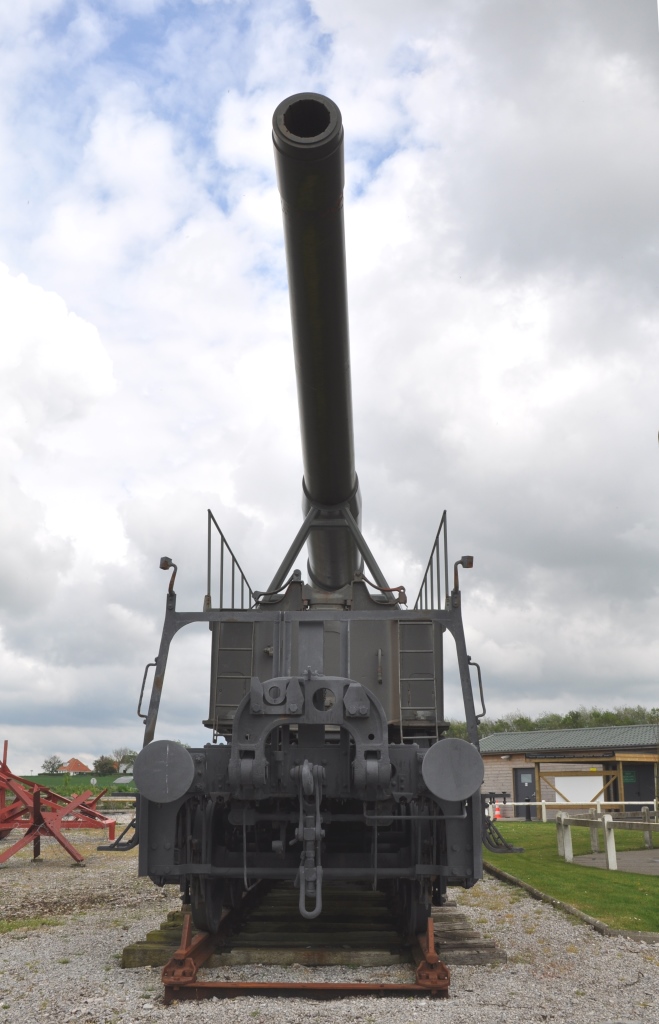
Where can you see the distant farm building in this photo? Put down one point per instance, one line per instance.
(609, 763)
(73, 767)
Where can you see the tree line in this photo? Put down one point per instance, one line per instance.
(120, 760)
(581, 718)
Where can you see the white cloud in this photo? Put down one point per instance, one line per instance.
(501, 226)
(52, 363)
(53, 367)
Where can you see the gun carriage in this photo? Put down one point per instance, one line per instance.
(328, 760)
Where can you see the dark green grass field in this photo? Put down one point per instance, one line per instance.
(620, 899)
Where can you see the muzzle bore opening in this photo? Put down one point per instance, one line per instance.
(307, 119)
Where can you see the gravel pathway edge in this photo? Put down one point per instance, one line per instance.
(598, 925)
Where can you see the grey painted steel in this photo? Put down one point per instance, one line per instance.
(329, 696)
(307, 133)
(453, 769)
(315, 520)
(163, 771)
(317, 701)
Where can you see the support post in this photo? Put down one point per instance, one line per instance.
(610, 843)
(647, 834)
(544, 811)
(559, 834)
(621, 786)
(594, 834)
(567, 841)
(37, 818)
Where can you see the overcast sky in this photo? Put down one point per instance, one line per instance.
(502, 161)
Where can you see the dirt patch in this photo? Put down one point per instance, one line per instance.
(55, 885)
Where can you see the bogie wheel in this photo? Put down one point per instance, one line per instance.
(414, 908)
(419, 914)
(206, 903)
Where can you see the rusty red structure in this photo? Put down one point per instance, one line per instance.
(40, 813)
(179, 975)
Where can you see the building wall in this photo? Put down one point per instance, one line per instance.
(499, 779)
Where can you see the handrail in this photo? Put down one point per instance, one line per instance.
(561, 805)
(228, 573)
(576, 803)
(430, 591)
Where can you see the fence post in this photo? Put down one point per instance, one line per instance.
(559, 834)
(567, 842)
(647, 835)
(594, 834)
(610, 843)
(544, 811)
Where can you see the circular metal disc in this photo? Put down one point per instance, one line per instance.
(453, 769)
(163, 771)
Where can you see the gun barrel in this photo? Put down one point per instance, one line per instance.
(308, 142)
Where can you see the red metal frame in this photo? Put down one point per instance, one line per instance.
(41, 812)
(179, 975)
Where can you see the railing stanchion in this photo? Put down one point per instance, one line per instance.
(246, 593)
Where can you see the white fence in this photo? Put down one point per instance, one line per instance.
(564, 825)
(598, 806)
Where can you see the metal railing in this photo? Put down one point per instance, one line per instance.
(560, 805)
(235, 591)
(430, 592)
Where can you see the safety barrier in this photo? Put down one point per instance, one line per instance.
(598, 806)
(564, 825)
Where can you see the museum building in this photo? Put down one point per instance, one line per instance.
(609, 763)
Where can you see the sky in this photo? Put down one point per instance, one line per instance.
(502, 233)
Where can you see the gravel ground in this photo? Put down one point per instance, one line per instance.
(558, 969)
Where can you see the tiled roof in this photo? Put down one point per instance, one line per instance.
(609, 737)
(74, 765)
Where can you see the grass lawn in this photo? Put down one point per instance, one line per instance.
(620, 899)
(66, 785)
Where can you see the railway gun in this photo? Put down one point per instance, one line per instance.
(328, 760)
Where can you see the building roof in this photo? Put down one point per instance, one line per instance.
(73, 765)
(609, 737)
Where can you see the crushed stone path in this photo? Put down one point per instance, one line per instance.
(558, 969)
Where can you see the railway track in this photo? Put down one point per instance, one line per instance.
(357, 928)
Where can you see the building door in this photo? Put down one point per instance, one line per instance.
(524, 786)
(638, 782)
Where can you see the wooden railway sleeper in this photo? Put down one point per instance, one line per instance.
(179, 975)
